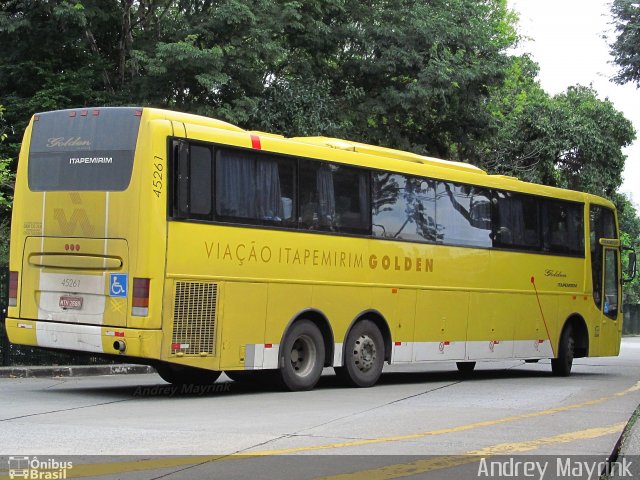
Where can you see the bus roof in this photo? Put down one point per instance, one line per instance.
(382, 158)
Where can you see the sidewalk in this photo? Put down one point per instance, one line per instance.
(73, 371)
(630, 444)
(629, 448)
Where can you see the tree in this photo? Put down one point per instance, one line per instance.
(6, 197)
(626, 47)
(6, 174)
(571, 140)
(629, 224)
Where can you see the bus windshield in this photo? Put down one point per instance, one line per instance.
(83, 150)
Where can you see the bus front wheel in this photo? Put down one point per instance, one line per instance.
(561, 366)
(302, 356)
(364, 355)
(181, 375)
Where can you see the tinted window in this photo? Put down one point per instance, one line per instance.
(463, 215)
(601, 225)
(610, 306)
(83, 150)
(201, 180)
(563, 227)
(516, 221)
(255, 186)
(404, 207)
(334, 197)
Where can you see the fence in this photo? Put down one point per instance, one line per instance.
(631, 325)
(11, 355)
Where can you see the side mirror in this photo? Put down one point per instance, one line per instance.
(631, 267)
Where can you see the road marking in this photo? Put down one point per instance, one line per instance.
(87, 470)
(473, 456)
(460, 428)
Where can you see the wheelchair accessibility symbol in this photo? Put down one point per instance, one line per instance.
(118, 285)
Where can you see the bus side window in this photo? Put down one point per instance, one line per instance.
(563, 227)
(181, 159)
(255, 188)
(516, 221)
(334, 197)
(200, 170)
(464, 212)
(404, 208)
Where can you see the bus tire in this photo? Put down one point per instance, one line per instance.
(364, 355)
(561, 366)
(182, 375)
(465, 368)
(301, 357)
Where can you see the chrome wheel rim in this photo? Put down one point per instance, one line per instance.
(303, 355)
(364, 353)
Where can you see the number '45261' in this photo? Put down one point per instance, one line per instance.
(157, 179)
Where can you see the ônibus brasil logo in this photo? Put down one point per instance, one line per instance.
(33, 468)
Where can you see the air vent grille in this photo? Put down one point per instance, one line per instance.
(194, 318)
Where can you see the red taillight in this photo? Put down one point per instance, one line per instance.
(13, 289)
(140, 297)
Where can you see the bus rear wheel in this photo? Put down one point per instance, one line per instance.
(561, 366)
(181, 375)
(364, 355)
(301, 356)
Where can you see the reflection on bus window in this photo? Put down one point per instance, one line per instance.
(404, 208)
(465, 214)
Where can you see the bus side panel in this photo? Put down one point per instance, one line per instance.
(149, 255)
(241, 325)
(403, 330)
(491, 326)
(441, 325)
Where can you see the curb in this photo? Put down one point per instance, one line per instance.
(627, 446)
(629, 439)
(73, 371)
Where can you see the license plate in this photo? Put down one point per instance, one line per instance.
(71, 303)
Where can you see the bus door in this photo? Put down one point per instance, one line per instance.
(610, 315)
(605, 264)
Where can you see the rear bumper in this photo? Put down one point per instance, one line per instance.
(86, 338)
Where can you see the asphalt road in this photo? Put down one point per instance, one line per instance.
(503, 409)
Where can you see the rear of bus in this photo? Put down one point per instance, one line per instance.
(88, 233)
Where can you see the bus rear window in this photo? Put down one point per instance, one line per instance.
(83, 149)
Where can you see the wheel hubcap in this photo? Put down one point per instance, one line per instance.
(364, 353)
(302, 356)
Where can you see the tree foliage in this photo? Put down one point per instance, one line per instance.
(571, 140)
(6, 175)
(626, 47)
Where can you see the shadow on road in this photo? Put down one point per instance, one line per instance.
(160, 389)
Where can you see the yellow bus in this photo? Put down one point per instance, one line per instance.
(198, 247)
